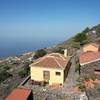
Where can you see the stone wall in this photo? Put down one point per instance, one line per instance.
(88, 69)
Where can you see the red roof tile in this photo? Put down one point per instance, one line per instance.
(89, 57)
(53, 60)
(19, 94)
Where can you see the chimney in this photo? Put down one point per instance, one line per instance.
(65, 53)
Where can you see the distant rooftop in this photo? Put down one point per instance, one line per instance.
(93, 44)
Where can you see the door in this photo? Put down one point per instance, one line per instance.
(46, 76)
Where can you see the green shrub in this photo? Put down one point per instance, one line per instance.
(81, 87)
(6, 67)
(15, 85)
(87, 77)
(58, 50)
(40, 53)
(76, 46)
(86, 30)
(22, 73)
(25, 70)
(77, 66)
(4, 75)
(80, 37)
(78, 79)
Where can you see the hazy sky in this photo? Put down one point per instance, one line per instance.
(46, 19)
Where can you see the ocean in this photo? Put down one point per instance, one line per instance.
(13, 48)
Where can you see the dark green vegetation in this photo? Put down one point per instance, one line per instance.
(4, 74)
(25, 70)
(76, 45)
(40, 53)
(9, 73)
(58, 50)
(77, 67)
(86, 30)
(80, 37)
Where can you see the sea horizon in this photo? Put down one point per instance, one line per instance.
(15, 49)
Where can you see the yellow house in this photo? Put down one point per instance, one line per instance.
(91, 47)
(52, 68)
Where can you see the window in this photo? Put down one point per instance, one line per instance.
(97, 71)
(58, 73)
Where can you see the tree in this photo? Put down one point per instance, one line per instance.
(40, 53)
(22, 73)
(4, 75)
(80, 37)
(86, 30)
(25, 70)
(58, 50)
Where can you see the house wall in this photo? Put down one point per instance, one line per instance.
(90, 48)
(89, 69)
(37, 75)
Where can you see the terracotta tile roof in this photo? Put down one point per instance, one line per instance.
(89, 57)
(94, 44)
(19, 94)
(53, 60)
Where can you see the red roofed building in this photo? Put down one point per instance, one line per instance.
(89, 57)
(20, 94)
(90, 60)
(90, 47)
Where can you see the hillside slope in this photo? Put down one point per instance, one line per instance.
(92, 35)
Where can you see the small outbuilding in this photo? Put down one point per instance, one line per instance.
(20, 94)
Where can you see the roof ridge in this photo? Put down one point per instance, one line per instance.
(59, 55)
(57, 62)
(39, 60)
(56, 59)
(42, 58)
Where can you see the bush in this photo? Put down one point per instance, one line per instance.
(15, 85)
(6, 67)
(77, 66)
(76, 46)
(25, 71)
(40, 53)
(87, 77)
(86, 30)
(4, 75)
(81, 87)
(80, 37)
(22, 73)
(58, 50)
